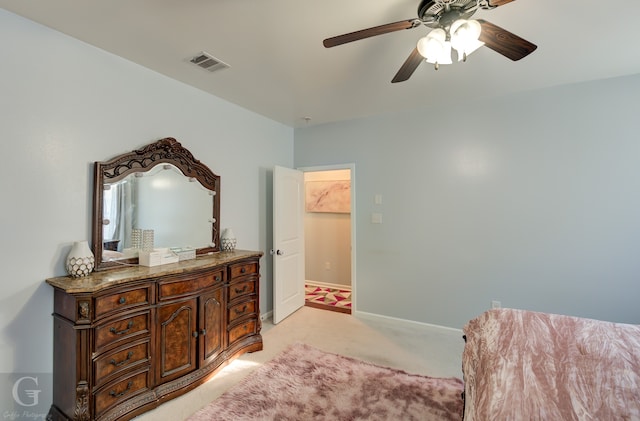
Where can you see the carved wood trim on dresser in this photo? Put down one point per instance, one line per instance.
(126, 340)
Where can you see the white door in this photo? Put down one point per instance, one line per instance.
(288, 242)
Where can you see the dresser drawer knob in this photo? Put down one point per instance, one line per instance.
(118, 364)
(243, 270)
(217, 278)
(122, 300)
(122, 332)
(117, 395)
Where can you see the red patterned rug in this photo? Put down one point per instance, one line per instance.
(327, 298)
(304, 383)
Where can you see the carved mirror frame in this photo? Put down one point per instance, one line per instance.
(164, 151)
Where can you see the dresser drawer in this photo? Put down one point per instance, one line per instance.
(123, 329)
(119, 360)
(239, 331)
(242, 269)
(241, 309)
(188, 286)
(242, 289)
(121, 390)
(122, 300)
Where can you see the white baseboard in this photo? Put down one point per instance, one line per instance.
(385, 319)
(266, 316)
(380, 318)
(329, 285)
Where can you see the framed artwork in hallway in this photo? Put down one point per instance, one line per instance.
(328, 196)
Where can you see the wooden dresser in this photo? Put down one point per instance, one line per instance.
(126, 340)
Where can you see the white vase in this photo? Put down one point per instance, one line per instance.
(80, 260)
(227, 240)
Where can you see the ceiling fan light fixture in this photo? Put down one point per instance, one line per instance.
(435, 48)
(464, 37)
(465, 30)
(464, 52)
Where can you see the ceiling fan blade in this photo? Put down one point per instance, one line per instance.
(370, 32)
(408, 67)
(504, 42)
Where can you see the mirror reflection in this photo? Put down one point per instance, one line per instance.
(175, 207)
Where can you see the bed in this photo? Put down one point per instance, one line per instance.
(525, 365)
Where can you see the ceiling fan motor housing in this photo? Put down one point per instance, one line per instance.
(442, 13)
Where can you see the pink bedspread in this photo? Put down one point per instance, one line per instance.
(523, 365)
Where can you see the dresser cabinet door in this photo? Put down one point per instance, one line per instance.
(211, 326)
(177, 339)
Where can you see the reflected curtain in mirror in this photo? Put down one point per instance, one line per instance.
(118, 215)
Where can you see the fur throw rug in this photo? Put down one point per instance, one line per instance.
(304, 383)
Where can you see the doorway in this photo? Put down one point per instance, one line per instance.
(329, 230)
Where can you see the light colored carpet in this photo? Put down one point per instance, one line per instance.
(303, 384)
(411, 347)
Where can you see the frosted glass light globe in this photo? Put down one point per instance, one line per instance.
(434, 47)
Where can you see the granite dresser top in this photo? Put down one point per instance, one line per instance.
(108, 278)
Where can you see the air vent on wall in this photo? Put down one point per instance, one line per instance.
(208, 62)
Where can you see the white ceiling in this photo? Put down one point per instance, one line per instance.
(280, 69)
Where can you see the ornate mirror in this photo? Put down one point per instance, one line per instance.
(160, 189)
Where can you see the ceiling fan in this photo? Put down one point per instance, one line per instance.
(449, 20)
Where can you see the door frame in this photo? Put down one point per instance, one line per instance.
(352, 168)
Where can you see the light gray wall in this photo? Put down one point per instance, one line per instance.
(64, 105)
(532, 200)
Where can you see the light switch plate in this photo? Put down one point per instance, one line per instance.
(376, 218)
